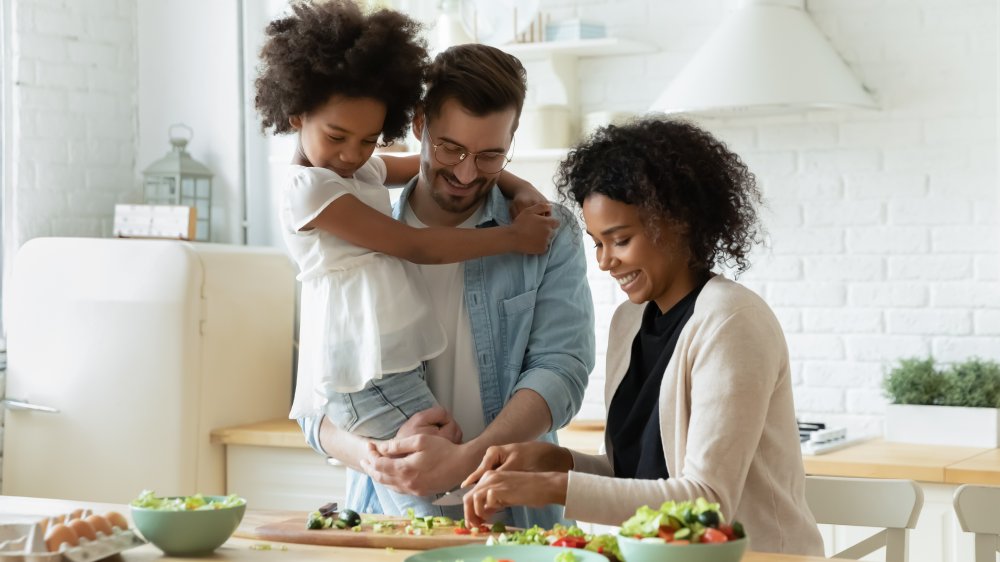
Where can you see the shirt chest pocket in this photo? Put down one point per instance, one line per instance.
(516, 315)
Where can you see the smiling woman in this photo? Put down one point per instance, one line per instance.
(697, 365)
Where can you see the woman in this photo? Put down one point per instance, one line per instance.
(698, 390)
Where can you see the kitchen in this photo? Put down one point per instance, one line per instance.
(882, 222)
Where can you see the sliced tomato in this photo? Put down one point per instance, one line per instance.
(681, 541)
(666, 533)
(728, 531)
(462, 531)
(714, 535)
(571, 542)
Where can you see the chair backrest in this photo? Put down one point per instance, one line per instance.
(893, 505)
(978, 511)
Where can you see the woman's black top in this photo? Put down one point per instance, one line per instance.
(634, 415)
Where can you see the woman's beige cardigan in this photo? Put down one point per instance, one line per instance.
(727, 424)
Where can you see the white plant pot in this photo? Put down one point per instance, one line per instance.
(943, 425)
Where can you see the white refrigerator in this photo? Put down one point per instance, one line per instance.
(124, 355)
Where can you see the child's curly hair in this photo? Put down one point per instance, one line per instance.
(673, 170)
(333, 48)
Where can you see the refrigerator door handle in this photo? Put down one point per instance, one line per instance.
(15, 405)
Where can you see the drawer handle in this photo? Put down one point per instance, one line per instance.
(15, 405)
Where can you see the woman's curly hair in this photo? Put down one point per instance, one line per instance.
(333, 48)
(672, 170)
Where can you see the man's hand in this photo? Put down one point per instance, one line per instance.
(432, 421)
(531, 456)
(420, 465)
(497, 490)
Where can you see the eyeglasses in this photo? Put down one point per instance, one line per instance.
(450, 154)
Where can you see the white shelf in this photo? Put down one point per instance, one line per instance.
(583, 48)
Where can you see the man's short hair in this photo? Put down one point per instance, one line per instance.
(481, 78)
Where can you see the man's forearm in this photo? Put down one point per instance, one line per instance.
(523, 418)
(342, 445)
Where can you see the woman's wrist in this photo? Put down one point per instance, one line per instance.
(558, 483)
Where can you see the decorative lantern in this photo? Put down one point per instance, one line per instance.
(178, 179)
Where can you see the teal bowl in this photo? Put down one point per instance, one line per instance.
(188, 533)
(638, 550)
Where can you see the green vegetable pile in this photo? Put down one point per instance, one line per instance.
(564, 536)
(148, 500)
(685, 522)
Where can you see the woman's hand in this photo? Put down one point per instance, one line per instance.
(497, 490)
(534, 228)
(432, 421)
(530, 456)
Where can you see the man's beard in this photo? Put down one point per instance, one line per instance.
(454, 204)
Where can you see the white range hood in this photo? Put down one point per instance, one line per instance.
(768, 57)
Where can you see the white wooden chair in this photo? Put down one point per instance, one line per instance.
(978, 511)
(866, 502)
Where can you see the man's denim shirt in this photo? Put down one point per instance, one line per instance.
(533, 326)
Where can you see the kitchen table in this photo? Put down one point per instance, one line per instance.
(242, 549)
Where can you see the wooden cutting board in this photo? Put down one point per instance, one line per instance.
(290, 527)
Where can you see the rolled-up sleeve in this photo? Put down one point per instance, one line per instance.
(560, 351)
(310, 429)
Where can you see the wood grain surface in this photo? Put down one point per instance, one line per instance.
(290, 527)
(885, 459)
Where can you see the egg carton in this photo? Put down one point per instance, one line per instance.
(22, 539)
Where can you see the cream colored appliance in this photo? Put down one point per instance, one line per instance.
(123, 356)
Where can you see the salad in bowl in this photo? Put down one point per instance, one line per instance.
(682, 531)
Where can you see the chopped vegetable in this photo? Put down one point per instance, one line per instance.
(350, 518)
(148, 500)
(684, 522)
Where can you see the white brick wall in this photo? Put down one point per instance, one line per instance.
(72, 120)
(883, 226)
(73, 117)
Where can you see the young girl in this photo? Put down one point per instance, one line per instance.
(342, 79)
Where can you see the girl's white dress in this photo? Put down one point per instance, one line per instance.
(362, 313)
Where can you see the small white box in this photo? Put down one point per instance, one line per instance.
(176, 222)
(943, 425)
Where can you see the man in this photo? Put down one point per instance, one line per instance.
(520, 327)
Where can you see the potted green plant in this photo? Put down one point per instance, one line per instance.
(956, 405)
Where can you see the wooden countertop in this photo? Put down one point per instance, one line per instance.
(272, 433)
(884, 459)
(869, 459)
(582, 436)
(239, 549)
(980, 469)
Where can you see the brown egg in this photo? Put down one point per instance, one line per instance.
(83, 529)
(59, 519)
(59, 534)
(77, 514)
(100, 524)
(117, 520)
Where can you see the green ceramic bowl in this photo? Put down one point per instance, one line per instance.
(637, 550)
(188, 533)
